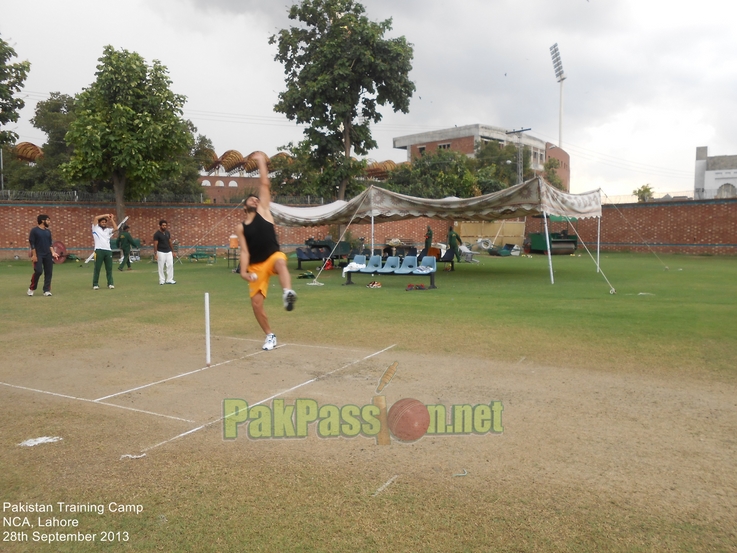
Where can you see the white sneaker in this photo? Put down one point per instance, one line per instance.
(289, 298)
(171, 282)
(95, 287)
(30, 292)
(270, 342)
(47, 293)
(110, 286)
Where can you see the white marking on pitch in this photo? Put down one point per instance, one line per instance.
(93, 401)
(305, 383)
(42, 440)
(178, 376)
(289, 344)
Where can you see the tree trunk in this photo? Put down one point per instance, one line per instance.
(119, 187)
(347, 145)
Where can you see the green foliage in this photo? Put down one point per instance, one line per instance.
(185, 181)
(128, 127)
(550, 173)
(436, 175)
(12, 79)
(644, 193)
(339, 69)
(497, 165)
(304, 172)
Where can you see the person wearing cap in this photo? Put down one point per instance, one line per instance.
(454, 242)
(261, 257)
(125, 242)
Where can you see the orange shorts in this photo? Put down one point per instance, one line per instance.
(263, 272)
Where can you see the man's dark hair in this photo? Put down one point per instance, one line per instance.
(101, 219)
(125, 227)
(162, 222)
(252, 195)
(41, 218)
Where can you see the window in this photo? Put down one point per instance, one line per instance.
(421, 150)
(206, 183)
(233, 184)
(444, 146)
(219, 183)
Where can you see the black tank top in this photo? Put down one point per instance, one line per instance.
(260, 238)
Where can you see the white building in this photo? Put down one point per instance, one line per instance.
(715, 176)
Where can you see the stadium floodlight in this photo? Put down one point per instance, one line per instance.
(561, 76)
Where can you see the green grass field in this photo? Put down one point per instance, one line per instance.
(671, 326)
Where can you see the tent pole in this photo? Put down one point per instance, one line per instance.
(598, 244)
(547, 241)
(372, 235)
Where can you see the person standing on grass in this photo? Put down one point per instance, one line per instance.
(163, 253)
(428, 238)
(454, 242)
(42, 254)
(125, 242)
(260, 254)
(103, 228)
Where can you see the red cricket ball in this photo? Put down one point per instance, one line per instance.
(409, 419)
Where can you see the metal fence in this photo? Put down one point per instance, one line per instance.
(108, 197)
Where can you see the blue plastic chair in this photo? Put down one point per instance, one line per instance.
(427, 261)
(408, 265)
(391, 265)
(373, 265)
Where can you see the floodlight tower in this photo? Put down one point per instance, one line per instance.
(561, 76)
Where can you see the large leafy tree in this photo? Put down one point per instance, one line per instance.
(186, 180)
(496, 164)
(128, 128)
(12, 79)
(339, 69)
(436, 175)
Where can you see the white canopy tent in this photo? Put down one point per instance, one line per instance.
(534, 197)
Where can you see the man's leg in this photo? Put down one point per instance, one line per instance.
(257, 303)
(169, 266)
(285, 279)
(108, 258)
(48, 263)
(37, 270)
(162, 262)
(98, 266)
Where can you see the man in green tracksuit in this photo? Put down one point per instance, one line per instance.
(125, 242)
(428, 238)
(454, 242)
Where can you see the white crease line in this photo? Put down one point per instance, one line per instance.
(310, 381)
(94, 401)
(178, 376)
(289, 344)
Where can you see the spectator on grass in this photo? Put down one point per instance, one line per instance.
(164, 254)
(42, 254)
(103, 228)
(125, 242)
(454, 242)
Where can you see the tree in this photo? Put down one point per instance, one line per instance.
(301, 173)
(12, 79)
(497, 164)
(185, 181)
(128, 127)
(550, 173)
(339, 69)
(644, 193)
(435, 175)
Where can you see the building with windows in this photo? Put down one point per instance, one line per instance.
(715, 176)
(464, 139)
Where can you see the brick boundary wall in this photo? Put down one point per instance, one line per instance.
(704, 227)
(191, 225)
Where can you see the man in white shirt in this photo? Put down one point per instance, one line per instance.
(103, 228)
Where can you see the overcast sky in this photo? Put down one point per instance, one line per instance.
(647, 80)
